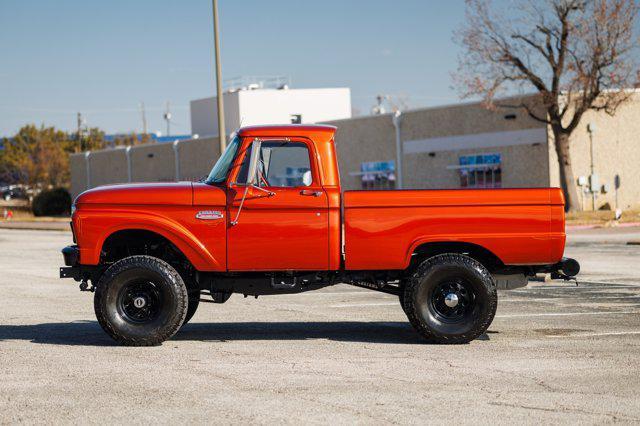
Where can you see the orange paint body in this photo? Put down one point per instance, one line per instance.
(302, 228)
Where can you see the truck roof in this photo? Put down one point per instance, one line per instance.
(289, 130)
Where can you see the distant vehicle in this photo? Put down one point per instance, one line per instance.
(271, 219)
(13, 192)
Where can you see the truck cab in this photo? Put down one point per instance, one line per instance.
(271, 218)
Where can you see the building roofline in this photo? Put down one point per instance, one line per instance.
(270, 89)
(433, 108)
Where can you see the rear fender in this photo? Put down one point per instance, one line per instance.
(474, 245)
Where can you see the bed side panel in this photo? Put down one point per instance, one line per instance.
(383, 228)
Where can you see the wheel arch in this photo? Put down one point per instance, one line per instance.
(187, 245)
(432, 248)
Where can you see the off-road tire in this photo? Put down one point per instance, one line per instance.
(172, 301)
(427, 278)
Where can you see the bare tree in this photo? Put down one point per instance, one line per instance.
(577, 55)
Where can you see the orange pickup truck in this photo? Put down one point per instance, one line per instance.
(271, 219)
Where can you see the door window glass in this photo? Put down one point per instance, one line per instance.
(280, 164)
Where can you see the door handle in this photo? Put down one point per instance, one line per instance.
(310, 193)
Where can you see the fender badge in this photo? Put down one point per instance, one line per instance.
(209, 215)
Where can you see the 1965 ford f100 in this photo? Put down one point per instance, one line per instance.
(271, 219)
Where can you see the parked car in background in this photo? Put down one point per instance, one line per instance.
(13, 192)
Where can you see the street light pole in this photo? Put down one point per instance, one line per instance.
(591, 128)
(397, 121)
(221, 130)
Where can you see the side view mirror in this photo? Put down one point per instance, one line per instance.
(252, 177)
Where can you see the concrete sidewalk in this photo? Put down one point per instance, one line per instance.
(611, 235)
(37, 225)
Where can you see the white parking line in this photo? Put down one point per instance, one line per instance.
(572, 288)
(565, 314)
(582, 285)
(610, 333)
(363, 305)
(340, 293)
(552, 299)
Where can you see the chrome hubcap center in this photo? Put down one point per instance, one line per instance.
(139, 302)
(451, 300)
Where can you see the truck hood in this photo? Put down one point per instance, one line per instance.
(175, 194)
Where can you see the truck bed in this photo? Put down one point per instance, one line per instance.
(519, 226)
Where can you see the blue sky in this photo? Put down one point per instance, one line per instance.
(103, 58)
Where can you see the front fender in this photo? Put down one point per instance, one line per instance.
(93, 226)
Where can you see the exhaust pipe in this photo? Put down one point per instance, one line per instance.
(566, 269)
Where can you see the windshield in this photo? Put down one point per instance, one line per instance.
(221, 169)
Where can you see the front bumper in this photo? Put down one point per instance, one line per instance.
(71, 255)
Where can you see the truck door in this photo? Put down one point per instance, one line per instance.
(289, 229)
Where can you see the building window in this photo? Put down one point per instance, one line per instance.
(480, 171)
(377, 175)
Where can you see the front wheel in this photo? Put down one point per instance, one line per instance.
(140, 301)
(451, 298)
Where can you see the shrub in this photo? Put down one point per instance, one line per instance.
(52, 202)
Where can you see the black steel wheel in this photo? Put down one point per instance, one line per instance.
(140, 301)
(451, 298)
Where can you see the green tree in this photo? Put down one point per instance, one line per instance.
(39, 156)
(90, 140)
(35, 156)
(132, 139)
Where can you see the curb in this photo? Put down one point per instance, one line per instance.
(34, 228)
(619, 225)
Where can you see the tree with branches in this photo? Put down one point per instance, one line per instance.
(39, 156)
(574, 55)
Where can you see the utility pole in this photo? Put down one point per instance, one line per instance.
(396, 119)
(79, 144)
(167, 118)
(216, 39)
(144, 118)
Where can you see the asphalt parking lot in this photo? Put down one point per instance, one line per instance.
(555, 352)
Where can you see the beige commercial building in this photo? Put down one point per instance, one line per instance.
(457, 146)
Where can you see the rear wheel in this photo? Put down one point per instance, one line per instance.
(140, 301)
(451, 298)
